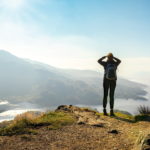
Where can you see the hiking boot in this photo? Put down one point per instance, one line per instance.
(112, 112)
(105, 112)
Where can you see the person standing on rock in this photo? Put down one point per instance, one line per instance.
(109, 80)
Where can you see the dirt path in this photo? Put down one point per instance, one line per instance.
(91, 132)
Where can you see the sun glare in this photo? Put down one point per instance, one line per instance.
(12, 4)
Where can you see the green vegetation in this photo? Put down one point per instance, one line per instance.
(122, 111)
(125, 116)
(144, 113)
(142, 118)
(120, 116)
(23, 125)
(144, 110)
(28, 122)
(99, 114)
(17, 127)
(54, 120)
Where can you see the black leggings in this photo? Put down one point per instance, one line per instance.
(109, 85)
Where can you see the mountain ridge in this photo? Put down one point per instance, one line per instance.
(44, 85)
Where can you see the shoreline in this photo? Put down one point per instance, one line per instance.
(128, 105)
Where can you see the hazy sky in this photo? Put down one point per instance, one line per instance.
(75, 33)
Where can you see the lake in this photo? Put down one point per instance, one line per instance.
(129, 105)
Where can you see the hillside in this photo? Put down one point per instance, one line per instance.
(74, 128)
(36, 83)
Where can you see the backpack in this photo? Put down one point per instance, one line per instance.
(111, 71)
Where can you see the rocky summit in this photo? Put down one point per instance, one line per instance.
(75, 128)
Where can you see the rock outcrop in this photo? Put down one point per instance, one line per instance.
(83, 115)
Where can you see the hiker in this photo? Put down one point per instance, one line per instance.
(109, 80)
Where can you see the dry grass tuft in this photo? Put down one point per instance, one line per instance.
(27, 122)
(144, 110)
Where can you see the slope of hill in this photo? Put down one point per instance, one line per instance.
(37, 83)
(74, 128)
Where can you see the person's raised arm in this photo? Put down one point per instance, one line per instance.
(100, 61)
(117, 60)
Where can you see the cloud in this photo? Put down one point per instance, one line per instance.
(69, 51)
(12, 4)
(25, 40)
(22, 35)
(136, 69)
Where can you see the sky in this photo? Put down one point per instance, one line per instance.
(76, 33)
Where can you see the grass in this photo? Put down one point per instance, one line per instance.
(120, 116)
(142, 118)
(99, 114)
(124, 117)
(144, 110)
(25, 125)
(55, 119)
(17, 127)
(144, 113)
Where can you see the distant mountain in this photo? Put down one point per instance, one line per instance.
(23, 80)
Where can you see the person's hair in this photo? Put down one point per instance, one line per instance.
(109, 55)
